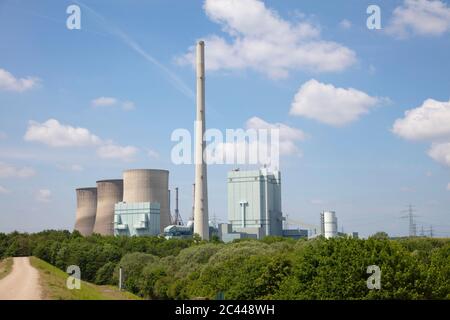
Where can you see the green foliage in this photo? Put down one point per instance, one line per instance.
(271, 268)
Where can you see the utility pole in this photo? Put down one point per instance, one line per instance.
(410, 216)
(431, 231)
(120, 279)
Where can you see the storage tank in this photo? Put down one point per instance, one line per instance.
(109, 192)
(148, 185)
(86, 210)
(330, 224)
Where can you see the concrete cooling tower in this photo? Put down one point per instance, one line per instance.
(109, 192)
(86, 210)
(148, 185)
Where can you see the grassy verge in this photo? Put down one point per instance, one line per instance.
(53, 282)
(5, 267)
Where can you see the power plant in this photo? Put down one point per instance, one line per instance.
(148, 185)
(139, 205)
(201, 226)
(109, 192)
(86, 210)
(136, 205)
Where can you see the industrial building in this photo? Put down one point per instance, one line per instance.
(136, 205)
(254, 203)
(86, 210)
(136, 219)
(109, 192)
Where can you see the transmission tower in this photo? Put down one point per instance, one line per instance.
(177, 220)
(410, 216)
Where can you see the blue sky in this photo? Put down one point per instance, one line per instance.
(363, 166)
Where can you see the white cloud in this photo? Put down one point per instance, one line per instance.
(261, 40)
(420, 17)
(440, 152)
(43, 195)
(10, 83)
(328, 104)
(71, 167)
(288, 135)
(112, 102)
(10, 171)
(152, 154)
(448, 187)
(112, 151)
(55, 134)
(253, 147)
(104, 102)
(429, 121)
(128, 105)
(3, 190)
(345, 24)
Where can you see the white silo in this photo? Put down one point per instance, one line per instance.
(109, 192)
(86, 210)
(330, 224)
(148, 185)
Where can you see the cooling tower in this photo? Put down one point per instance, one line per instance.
(109, 192)
(86, 210)
(148, 185)
(330, 224)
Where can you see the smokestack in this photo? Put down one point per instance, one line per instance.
(178, 220)
(201, 226)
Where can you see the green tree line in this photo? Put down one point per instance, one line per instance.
(271, 268)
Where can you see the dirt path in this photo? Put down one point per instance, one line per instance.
(22, 283)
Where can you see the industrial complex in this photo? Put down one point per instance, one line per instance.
(139, 203)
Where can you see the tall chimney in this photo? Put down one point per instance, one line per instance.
(201, 226)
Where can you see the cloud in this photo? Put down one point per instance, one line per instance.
(3, 135)
(112, 102)
(128, 105)
(262, 41)
(10, 171)
(104, 102)
(448, 187)
(112, 151)
(429, 121)
(328, 104)
(345, 24)
(252, 146)
(43, 195)
(55, 134)
(72, 167)
(152, 154)
(288, 135)
(10, 83)
(420, 17)
(3, 190)
(440, 152)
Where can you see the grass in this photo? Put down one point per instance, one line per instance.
(5, 267)
(53, 283)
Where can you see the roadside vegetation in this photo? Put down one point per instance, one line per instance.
(53, 283)
(5, 267)
(272, 268)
